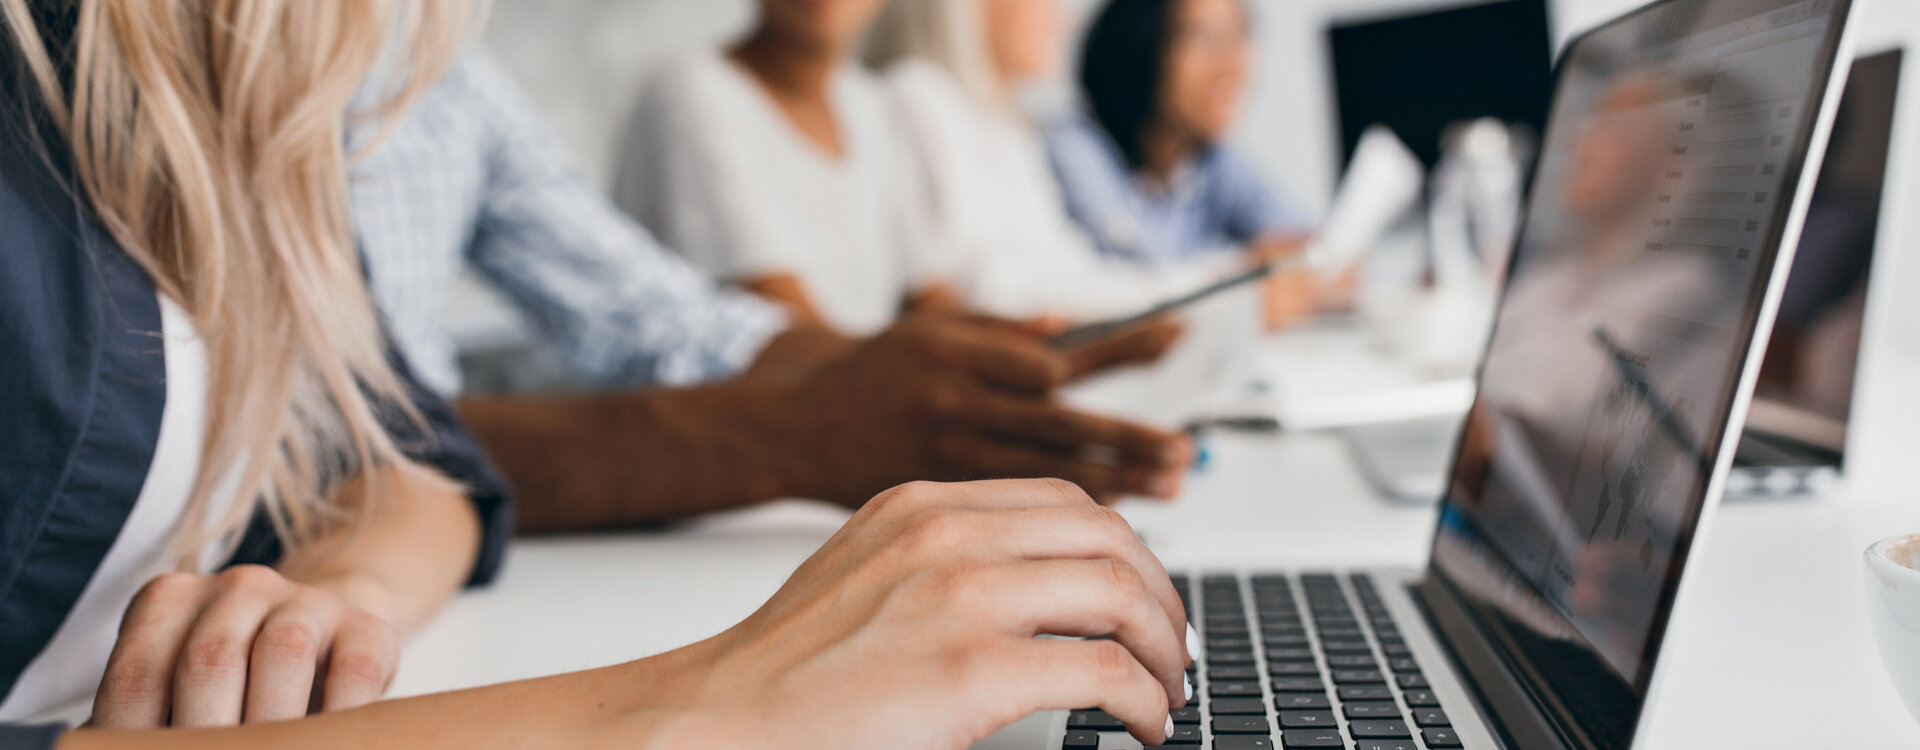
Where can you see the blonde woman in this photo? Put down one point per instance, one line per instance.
(952, 68)
(194, 376)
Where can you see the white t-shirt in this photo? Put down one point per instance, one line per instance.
(60, 681)
(1001, 229)
(713, 167)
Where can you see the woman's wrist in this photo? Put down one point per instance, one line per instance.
(674, 700)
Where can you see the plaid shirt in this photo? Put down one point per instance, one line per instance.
(473, 175)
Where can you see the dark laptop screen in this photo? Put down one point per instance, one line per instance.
(1674, 146)
(1805, 394)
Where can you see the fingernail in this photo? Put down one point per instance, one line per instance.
(1169, 732)
(1188, 682)
(1164, 486)
(1193, 646)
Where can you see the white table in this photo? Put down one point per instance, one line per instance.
(1769, 646)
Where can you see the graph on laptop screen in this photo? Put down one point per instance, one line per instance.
(1675, 138)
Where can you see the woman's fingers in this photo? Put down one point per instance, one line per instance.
(210, 679)
(361, 665)
(1087, 532)
(136, 690)
(1098, 597)
(1056, 675)
(285, 654)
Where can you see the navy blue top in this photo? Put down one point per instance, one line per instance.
(82, 388)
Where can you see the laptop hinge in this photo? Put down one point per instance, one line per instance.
(1513, 713)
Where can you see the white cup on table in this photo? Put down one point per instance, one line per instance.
(1893, 605)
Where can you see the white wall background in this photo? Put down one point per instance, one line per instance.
(582, 59)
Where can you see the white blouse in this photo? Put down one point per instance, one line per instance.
(714, 167)
(60, 682)
(1004, 239)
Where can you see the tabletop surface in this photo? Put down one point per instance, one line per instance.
(1769, 646)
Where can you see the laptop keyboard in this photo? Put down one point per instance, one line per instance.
(1290, 662)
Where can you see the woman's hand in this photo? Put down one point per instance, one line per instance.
(914, 627)
(246, 645)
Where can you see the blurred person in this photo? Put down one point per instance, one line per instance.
(953, 67)
(762, 405)
(154, 186)
(1145, 171)
(776, 164)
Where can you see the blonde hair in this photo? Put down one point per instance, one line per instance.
(208, 136)
(949, 33)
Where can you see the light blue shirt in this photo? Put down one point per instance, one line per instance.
(1215, 202)
(472, 175)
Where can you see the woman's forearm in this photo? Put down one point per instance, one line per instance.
(408, 551)
(632, 705)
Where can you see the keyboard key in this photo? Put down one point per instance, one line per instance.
(1421, 698)
(1371, 710)
(1298, 640)
(1358, 676)
(1365, 693)
(1098, 721)
(1308, 719)
(1229, 657)
(1242, 742)
(1395, 649)
(1412, 681)
(1289, 654)
(1350, 661)
(1387, 745)
(1298, 701)
(1188, 715)
(1430, 717)
(1081, 739)
(1184, 735)
(1238, 707)
(1228, 643)
(1241, 725)
(1234, 689)
(1312, 738)
(1385, 730)
(1298, 685)
(1403, 664)
(1440, 737)
(1293, 669)
(1233, 672)
(1346, 647)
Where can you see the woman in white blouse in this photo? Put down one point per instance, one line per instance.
(1005, 243)
(775, 164)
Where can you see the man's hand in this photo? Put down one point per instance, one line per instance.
(943, 397)
(244, 645)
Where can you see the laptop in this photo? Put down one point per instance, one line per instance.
(1796, 434)
(1663, 213)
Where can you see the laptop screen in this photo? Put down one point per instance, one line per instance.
(1674, 146)
(1805, 395)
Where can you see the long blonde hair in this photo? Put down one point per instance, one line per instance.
(208, 136)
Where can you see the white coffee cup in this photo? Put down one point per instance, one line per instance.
(1893, 604)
